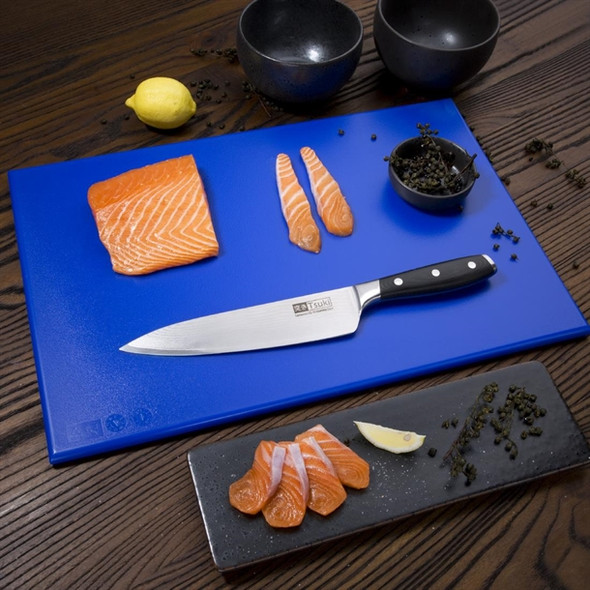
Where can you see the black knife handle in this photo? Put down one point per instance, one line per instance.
(437, 278)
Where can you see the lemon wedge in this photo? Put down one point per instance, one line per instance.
(163, 103)
(390, 439)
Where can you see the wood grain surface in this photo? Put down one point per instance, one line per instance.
(131, 520)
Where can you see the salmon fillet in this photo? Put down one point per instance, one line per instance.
(288, 505)
(330, 202)
(251, 492)
(353, 471)
(154, 217)
(326, 492)
(303, 230)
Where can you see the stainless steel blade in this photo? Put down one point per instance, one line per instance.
(300, 319)
(308, 318)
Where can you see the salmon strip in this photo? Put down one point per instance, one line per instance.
(154, 217)
(288, 505)
(326, 492)
(303, 230)
(251, 492)
(330, 202)
(353, 471)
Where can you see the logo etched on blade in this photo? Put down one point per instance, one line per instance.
(313, 306)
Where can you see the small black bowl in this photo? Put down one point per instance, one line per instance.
(461, 162)
(435, 45)
(299, 51)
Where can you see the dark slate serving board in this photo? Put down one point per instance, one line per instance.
(401, 485)
(96, 399)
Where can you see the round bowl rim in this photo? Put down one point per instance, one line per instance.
(307, 64)
(443, 49)
(433, 197)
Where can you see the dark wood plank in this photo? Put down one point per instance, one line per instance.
(130, 520)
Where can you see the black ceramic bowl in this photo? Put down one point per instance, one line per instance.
(435, 44)
(298, 51)
(461, 161)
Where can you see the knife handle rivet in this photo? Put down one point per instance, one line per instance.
(398, 282)
(435, 272)
(471, 264)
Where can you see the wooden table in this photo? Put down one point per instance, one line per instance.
(131, 520)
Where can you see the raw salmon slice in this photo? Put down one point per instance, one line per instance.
(251, 492)
(330, 202)
(303, 230)
(326, 492)
(353, 471)
(287, 507)
(154, 217)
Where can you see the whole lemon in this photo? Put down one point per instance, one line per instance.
(164, 103)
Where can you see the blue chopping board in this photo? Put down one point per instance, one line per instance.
(96, 399)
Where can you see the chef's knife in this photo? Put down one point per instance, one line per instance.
(308, 318)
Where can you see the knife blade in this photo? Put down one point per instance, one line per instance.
(308, 318)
